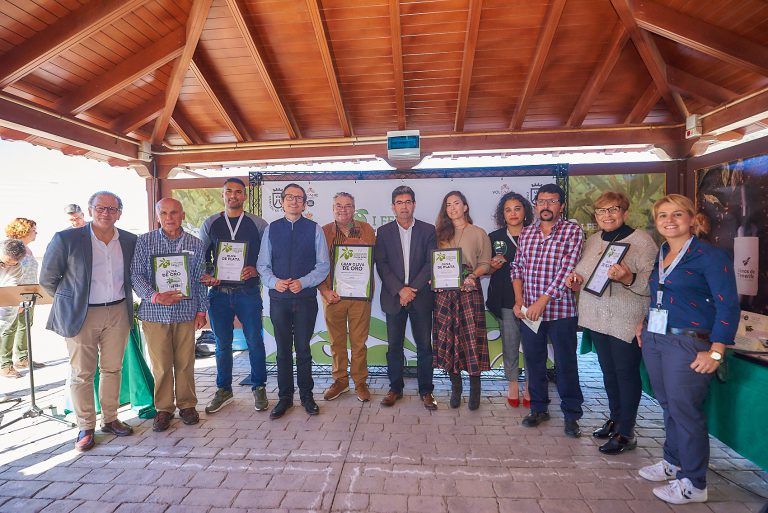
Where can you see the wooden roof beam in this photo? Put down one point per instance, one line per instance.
(546, 36)
(467, 62)
(701, 36)
(737, 114)
(599, 76)
(642, 108)
(708, 92)
(138, 65)
(221, 102)
(652, 59)
(139, 116)
(238, 13)
(60, 35)
(195, 23)
(181, 124)
(397, 62)
(318, 25)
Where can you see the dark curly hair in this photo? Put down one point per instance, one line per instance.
(499, 215)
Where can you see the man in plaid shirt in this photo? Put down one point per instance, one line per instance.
(548, 251)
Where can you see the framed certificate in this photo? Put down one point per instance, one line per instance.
(352, 271)
(446, 269)
(230, 261)
(171, 272)
(613, 254)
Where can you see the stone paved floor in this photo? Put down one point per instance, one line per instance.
(351, 457)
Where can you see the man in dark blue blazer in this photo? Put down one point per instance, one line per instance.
(87, 272)
(403, 255)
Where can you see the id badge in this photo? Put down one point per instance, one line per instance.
(657, 321)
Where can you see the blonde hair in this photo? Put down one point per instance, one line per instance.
(19, 228)
(614, 197)
(677, 200)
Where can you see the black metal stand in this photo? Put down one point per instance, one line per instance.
(34, 410)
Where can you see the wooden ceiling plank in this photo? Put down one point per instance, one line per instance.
(139, 116)
(644, 104)
(599, 76)
(330, 69)
(543, 45)
(195, 23)
(651, 57)
(61, 35)
(156, 55)
(468, 62)
(181, 124)
(737, 114)
(239, 11)
(397, 61)
(702, 36)
(710, 93)
(223, 105)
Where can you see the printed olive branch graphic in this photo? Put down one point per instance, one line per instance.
(164, 263)
(346, 253)
(227, 247)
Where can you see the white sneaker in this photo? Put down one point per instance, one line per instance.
(680, 491)
(661, 471)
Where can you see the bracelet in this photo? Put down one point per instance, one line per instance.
(634, 277)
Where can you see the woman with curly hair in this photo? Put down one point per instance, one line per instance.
(15, 335)
(458, 330)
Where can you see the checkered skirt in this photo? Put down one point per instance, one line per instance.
(458, 332)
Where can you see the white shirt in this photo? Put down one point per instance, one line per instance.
(107, 274)
(405, 242)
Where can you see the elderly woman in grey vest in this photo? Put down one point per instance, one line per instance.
(611, 313)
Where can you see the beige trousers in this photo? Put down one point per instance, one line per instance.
(101, 341)
(171, 350)
(356, 315)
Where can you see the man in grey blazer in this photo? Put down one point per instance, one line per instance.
(403, 254)
(87, 272)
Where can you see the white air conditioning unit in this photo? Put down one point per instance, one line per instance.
(403, 145)
(692, 126)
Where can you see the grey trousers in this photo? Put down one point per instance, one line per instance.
(510, 343)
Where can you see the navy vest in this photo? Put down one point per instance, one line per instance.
(293, 253)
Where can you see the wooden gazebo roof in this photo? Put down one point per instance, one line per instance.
(231, 80)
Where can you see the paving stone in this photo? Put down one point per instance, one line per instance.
(204, 497)
(258, 499)
(61, 506)
(127, 493)
(129, 507)
(95, 507)
(90, 491)
(381, 503)
(301, 500)
(22, 488)
(472, 505)
(167, 495)
(58, 490)
(425, 504)
(519, 506)
(24, 505)
(350, 502)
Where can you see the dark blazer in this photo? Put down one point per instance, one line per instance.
(388, 254)
(66, 275)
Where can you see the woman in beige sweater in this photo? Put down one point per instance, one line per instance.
(458, 329)
(611, 318)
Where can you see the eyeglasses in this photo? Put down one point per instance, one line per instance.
(293, 197)
(106, 210)
(545, 202)
(608, 210)
(406, 203)
(344, 207)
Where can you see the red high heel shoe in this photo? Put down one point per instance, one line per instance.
(514, 403)
(526, 403)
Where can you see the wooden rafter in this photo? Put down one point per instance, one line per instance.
(599, 76)
(708, 92)
(645, 103)
(468, 62)
(139, 116)
(220, 100)
(737, 114)
(546, 36)
(651, 57)
(330, 69)
(397, 61)
(197, 16)
(61, 35)
(238, 13)
(128, 71)
(181, 124)
(701, 36)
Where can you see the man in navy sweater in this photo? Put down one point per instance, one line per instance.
(293, 261)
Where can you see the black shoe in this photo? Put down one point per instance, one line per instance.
(607, 431)
(474, 393)
(618, 444)
(456, 390)
(572, 429)
(535, 418)
(280, 408)
(310, 406)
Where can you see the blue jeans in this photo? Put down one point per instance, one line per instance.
(246, 304)
(562, 333)
(294, 323)
(421, 326)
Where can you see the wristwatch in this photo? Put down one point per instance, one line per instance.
(716, 356)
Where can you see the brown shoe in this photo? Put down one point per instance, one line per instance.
(363, 394)
(9, 372)
(429, 401)
(162, 421)
(189, 416)
(24, 363)
(335, 390)
(117, 428)
(391, 398)
(85, 440)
